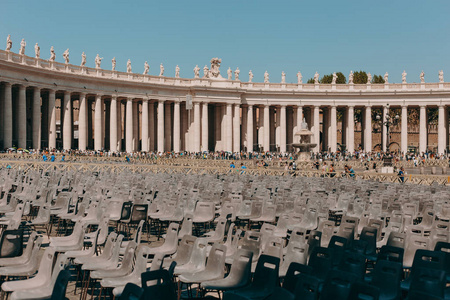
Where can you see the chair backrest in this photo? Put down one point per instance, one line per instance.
(369, 234)
(138, 213)
(131, 292)
(353, 263)
(321, 261)
(396, 239)
(338, 244)
(428, 259)
(30, 244)
(429, 281)
(184, 249)
(360, 290)
(337, 285)
(307, 287)
(391, 253)
(126, 210)
(60, 287)
(11, 243)
(138, 233)
(164, 288)
(314, 239)
(186, 226)
(293, 274)
(157, 262)
(387, 276)
(216, 261)
(252, 242)
(266, 272)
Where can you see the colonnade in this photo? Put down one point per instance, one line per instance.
(118, 122)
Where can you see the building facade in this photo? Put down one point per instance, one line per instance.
(46, 104)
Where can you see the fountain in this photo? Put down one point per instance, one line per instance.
(303, 142)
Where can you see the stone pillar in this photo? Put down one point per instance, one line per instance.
(276, 135)
(176, 127)
(404, 134)
(266, 140)
(260, 126)
(333, 129)
(384, 130)
(442, 130)
(243, 142)
(151, 118)
(22, 117)
(237, 128)
(219, 146)
(135, 126)
(129, 126)
(82, 123)
(51, 119)
(368, 129)
(229, 128)
(167, 128)
(316, 127)
(197, 128)
(113, 125)
(160, 129)
(67, 122)
(250, 128)
(98, 139)
(37, 118)
(299, 123)
(145, 125)
(8, 124)
(120, 123)
(351, 129)
(205, 124)
(283, 129)
(423, 129)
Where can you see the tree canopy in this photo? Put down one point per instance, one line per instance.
(329, 78)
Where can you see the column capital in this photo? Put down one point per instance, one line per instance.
(422, 105)
(283, 105)
(8, 84)
(130, 99)
(350, 106)
(52, 91)
(441, 105)
(82, 94)
(98, 96)
(161, 100)
(404, 106)
(67, 93)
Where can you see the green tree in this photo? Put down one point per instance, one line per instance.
(378, 79)
(329, 78)
(360, 77)
(311, 80)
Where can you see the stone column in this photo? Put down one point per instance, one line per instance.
(442, 130)
(120, 124)
(67, 119)
(266, 141)
(351, 129)
(368, 129)
(82, 123)
(129, 126)
(22, 117)
(160, 129)
(197, 128)
(113, 125)
(151, 116)
(176, 127)
(404, 134)
(167, 127)
(219, 146)
(8, 124)
(423, 129)
(316, 130)
(37, 118)
(299, 122)
(333, 128)
(51, 119)
(205, 124)
(250, 128)
(229, 128)
(244, 112)
(135, 126)
(383, 130)
(237, 128)
(98, 139)
(145, 125)
(283, 129)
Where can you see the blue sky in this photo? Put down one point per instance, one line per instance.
(324, 36)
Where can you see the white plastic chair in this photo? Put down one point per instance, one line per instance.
(196, 260)
(171, 242)
(26, 255)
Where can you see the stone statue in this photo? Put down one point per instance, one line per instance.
(37, 50)
(333, 81)
(230, 74)
(66, 56)
(22, 47)
(304, 125)
(369, 78)
(283, 77)
(177, 72)
(386, 77)
(83, 59)
(350, 78)
(52, 54)
(205, 72)
(215, 65)
(236, 74)
(113, 61)
(266, 77)
(404, 76)
(8, 43)
(316, 78)
(441, 76)
(250, 76)
(299, 78)
(98, 61)
(422, 77)
(146, 68)
(196, 72)
(161, 70)
(129, 66)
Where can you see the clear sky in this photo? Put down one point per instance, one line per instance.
(325, 36)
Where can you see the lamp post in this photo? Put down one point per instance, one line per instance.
(388, 123)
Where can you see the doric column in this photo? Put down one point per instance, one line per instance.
(52, 119)
(205, 125)
(333, 128)
(113, 125)
(219, 145)
(237, 128)
(151, 116)
(176, 127)
(368, 129)
(120, 123)
(316, 130)
(129, 126)
(423, 129)
(67, 122)
(299, 122)
(228, 127)
(351, 129)
(22, 117)
(98, 140)
(8, 124)
(250, 128)
(145, 125)
(135, 126)
(266, 141)
(383, 129)
(197, 128)
(36, 118)
(82, 123)
(167, 127)
(442, 130)
(160, 129)
(283, 129)
(404, 134)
